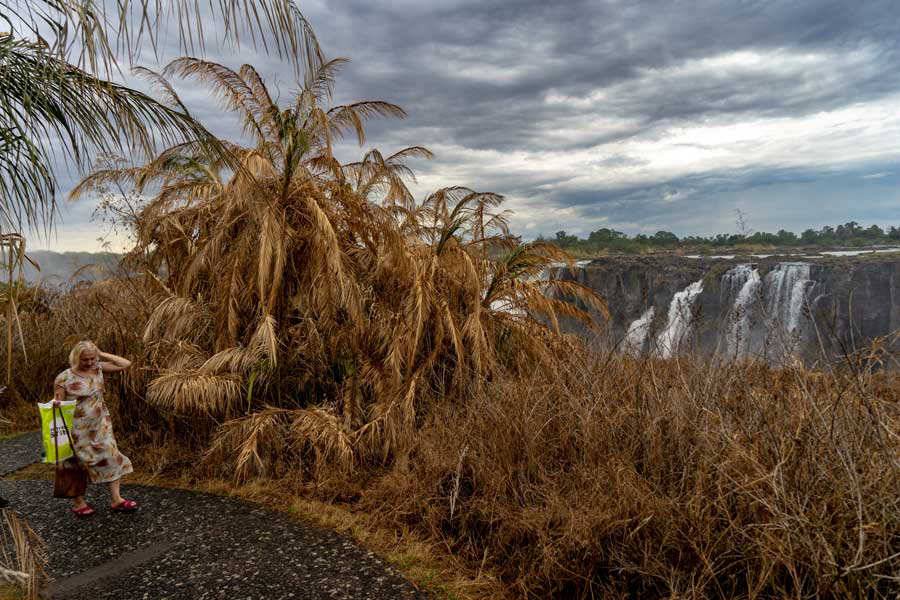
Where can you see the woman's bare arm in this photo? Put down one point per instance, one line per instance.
(111, 362)
(59, 394)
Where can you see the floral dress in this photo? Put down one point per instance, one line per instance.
(92, 433)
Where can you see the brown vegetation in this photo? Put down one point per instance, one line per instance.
(665, 479)
(299, 319)
(603, 475)
(22, 558)
(305, 292)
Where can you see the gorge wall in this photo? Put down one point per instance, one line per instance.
(771, 308)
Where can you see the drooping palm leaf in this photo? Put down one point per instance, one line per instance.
(56, 98)
(95, 35)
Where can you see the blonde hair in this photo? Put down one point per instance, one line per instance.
(78, 349)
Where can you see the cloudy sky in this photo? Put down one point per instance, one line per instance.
(638, 115)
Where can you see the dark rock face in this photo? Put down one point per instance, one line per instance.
(855, 303)
(768, 308)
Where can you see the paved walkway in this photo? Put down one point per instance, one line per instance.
(190, 545)
(19, 452)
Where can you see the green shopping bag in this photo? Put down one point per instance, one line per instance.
(53, 431)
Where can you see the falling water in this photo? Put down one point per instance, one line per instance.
(745, 279)
(735, 278)
(787, 286)
(636, 336)
(678, 326)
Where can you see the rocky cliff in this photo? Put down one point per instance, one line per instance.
(811, 308)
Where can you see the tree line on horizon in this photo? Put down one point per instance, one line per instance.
(605, 239)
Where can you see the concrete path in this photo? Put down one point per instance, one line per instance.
(19, 452)
(189, 545)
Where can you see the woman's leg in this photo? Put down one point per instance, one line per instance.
(114, 495)
(78, 502)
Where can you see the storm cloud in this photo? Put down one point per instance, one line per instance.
(637, 115)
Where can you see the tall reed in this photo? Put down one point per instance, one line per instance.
(663, 479)
(22, 556)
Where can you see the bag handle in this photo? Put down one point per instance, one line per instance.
(56, 437)
(68, 436)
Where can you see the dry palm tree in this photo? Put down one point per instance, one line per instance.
(318, 303)
(204, 229)
(56, 99)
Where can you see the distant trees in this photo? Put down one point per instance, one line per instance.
(611, 240)
(606, 235)
(874, 232)
(563, 239)
(664, 238)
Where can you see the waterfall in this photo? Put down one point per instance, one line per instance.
(636, 337)
(745, 279)
(736, 278)
(678, 326)
(787, 286)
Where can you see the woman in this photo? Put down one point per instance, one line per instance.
(92, 435)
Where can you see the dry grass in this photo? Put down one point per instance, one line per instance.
(18, 416)
(10, 592)
(621, 478)
(22, 558)
(34, 472)
(625, 478)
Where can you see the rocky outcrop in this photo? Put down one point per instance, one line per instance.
(770, 308)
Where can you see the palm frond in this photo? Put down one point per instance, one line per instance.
(177, 318)
(322, 431)
(350, 117)
(195, 393)
(251, 445)
(101, 35)
(53, 109)
(162, 87)
(230, 89)
(321, 84)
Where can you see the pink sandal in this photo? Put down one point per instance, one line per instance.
(125, 506)
(84, 511)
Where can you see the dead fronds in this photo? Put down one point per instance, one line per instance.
(300, 283)
(22, 556)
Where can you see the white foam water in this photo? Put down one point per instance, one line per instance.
(745, 279)
(786, 288)
(678, 325)
(787, 285)
(858, 252)
(636, 336)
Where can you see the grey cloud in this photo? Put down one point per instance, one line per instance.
(478, 75)
(574, 48)
(415, 54)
